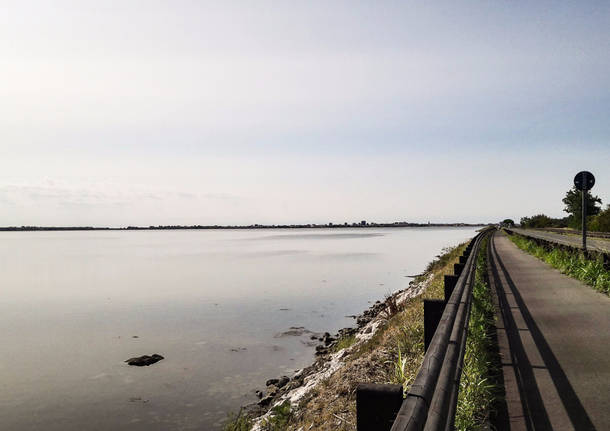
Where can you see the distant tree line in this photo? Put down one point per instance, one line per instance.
(597, 219)
(361, 224)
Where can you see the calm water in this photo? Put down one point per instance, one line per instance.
(214, 303)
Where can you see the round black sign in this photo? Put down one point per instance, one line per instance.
(584, 180)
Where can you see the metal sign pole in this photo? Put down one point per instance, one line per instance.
(584, 217)
(584, 181)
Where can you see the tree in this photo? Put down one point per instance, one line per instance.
(537, 221)
(573, 203)
(508, 222)
(601, 222)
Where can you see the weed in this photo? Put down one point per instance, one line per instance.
(477, 393)
(237, 422)
(392, 306)
(343, 343)
(281, 415)
(409, 338)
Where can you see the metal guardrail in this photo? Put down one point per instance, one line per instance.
(596, 245)
(431, 402)
(562, 231)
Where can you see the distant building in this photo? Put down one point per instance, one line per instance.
(363, 223)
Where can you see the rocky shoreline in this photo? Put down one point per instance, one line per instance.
(328, 356)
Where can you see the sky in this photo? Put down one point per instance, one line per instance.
(116, 113)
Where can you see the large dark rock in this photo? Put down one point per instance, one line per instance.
(265, 401)
(145, 360)
(283, 381)
(321, 350)
(253, 410)
(272, 382)
(328, 340)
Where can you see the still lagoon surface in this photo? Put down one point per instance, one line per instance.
(75, 305)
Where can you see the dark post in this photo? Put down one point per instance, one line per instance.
(584, 214)
(377, 406)
(457, 268)
(584, 181)
(433, 311)
(450, 282)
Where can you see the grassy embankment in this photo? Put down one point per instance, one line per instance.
(572, 263)
(478, 388)
(392, 355)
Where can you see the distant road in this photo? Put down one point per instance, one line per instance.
(594, 244)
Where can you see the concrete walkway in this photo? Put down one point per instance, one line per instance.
(554, 339)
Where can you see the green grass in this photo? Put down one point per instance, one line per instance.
(280, 418)
(237, 422)
(478, 392)
(343, 343)
(571, 263)
(409, 323)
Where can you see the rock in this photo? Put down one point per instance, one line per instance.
(259, 394)
(362, 321)
(144, 360)
(272, 382)
(272, 390)
(321, 350)
(253, 410)
(283, 381)
(328, 339)
(294, 331)
(265, 401)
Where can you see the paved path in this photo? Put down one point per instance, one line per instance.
(554, 339)
(595, 244)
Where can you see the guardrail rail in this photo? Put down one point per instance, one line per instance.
(431, 401)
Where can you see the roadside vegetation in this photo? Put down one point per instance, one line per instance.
(571, 263)
(478, 390)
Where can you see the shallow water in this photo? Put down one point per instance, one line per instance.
(214, 303)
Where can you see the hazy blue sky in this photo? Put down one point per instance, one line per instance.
(161, 112)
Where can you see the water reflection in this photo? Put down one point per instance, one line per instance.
(211, 303)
